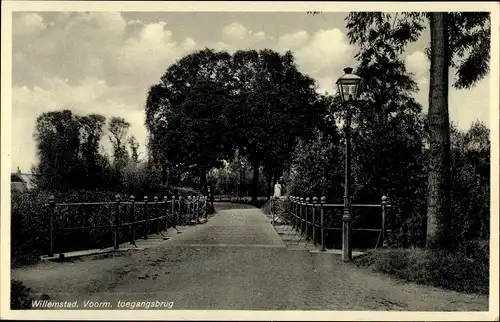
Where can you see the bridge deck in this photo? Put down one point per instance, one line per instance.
(235, 261)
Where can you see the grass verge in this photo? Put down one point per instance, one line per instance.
(458, 271)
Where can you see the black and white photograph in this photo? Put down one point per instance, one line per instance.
(250, 160)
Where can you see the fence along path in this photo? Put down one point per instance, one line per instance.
(307, 215)
(314, 218)
(86, 225)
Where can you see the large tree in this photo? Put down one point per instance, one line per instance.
(91, 132)
(118, 131)
(186, 114)
(388, 133)
(458, 39)
(68, 150)
(275, 105)
(58, 143)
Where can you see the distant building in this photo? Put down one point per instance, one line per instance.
(22, 181)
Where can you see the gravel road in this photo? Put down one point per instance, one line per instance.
(235, 261)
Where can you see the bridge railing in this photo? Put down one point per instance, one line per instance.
(87, 225)
(314, 218)
(242, 199)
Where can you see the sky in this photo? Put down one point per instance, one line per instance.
(105, 62)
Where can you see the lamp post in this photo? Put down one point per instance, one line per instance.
(348, 89)
(241, 179)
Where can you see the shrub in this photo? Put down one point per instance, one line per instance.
(20, 296)
(30, 221)
(379, 167)
(456, 271)
(29, 230)
(281, 209)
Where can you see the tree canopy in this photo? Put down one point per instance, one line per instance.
(210, 103)
(458, 39)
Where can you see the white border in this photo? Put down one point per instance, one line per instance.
(6, 100)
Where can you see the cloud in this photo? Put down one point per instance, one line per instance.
(98, 44)
(322, 55)
(418, 64)
(27, 24)
(292, 41)
(92, 62)
(327, 53)
(236, 36)
(465, 106)
(135, 22)
(469, 105)
(142, 59)
(99, 62)
(89, 96)
(235, 32)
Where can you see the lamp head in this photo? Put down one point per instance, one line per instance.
(348, 85)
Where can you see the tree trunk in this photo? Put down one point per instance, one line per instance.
(203, 181)
(164, 175)
(255, 182)
(269, 177)
(438, 188)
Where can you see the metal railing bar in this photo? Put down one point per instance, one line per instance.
(86, 203)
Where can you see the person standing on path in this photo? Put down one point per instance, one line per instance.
(277, 189)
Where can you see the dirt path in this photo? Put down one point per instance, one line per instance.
(236, 261)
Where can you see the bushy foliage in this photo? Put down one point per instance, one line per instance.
(459, 40)
(382, 167)
(209, 104)
(29, 230)
(470, 185)
(235, 177)
(456, 271)
(317, 168)
(30, 219)
(280, 209)
(20, 296)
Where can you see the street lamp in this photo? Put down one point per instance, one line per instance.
(348, 86)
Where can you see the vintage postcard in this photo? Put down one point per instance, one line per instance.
(250, 160)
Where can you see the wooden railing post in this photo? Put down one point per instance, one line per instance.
(296, 213)
(200, 208)
(132, 227)
(117, 222)
(194, 214)
(273, 209)
(157, 211)
(322, 201)
(315, 201)
(197, 207)
(306, 217)
(202, 201)
(173, 212)
(205, 210)
(146, 222)
(200, 215)
(383, 233)
(165, 211)
(190, 207)
(301, 215)
(52, 210)
(182, 215)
